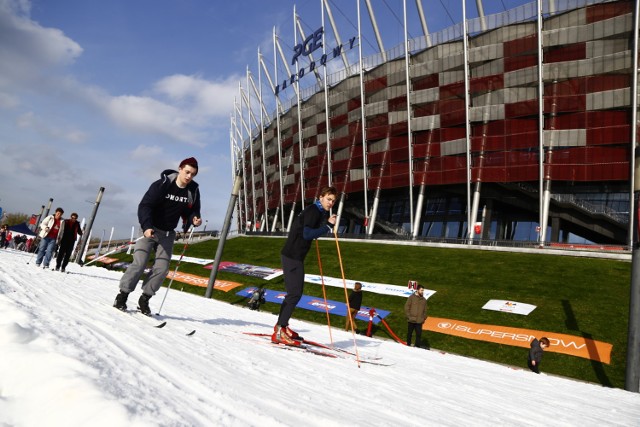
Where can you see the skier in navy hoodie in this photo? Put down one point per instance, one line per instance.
(175, 195)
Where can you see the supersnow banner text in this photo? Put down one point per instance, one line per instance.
(560, 343)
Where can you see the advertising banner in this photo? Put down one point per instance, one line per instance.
(266, 273)
(376, 288)
(104, 260)
(509, 306)
(192, 260)
(203, 282)
(316, 304)
(560, 343)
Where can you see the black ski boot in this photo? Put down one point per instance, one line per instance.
(143, 304)
(121, 301)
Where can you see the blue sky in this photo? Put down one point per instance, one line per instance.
(110, 93)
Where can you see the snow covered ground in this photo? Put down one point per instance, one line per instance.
(67, 358)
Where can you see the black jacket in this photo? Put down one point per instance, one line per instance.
(310, 224)
(165, 203)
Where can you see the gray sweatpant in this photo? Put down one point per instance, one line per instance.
(162, 244)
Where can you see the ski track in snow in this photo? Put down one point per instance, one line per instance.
(69, 358)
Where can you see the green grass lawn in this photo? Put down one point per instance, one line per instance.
(575, 296)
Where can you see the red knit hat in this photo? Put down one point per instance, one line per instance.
(191, 161)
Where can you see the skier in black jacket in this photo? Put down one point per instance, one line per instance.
(313, 222)
(175, 195)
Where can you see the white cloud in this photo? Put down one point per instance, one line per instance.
(30, 121)
(200, 96)
(144, 152)
(27, 49)
(8, 101)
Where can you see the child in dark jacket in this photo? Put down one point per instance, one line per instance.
(535, 353)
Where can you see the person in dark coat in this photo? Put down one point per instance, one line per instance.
(3, 236)
(313, 222)
(355, 302)
(415, 310)
(175, 195)
(70, 231)
(535, 353)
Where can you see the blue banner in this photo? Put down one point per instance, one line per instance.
(316, 304)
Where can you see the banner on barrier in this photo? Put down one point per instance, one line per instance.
(316, 304)
(560, 343)
(203, 282)
(104, 260)
(266, 273)
(192, 260)
(376, 288)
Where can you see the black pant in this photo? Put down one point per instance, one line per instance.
(534, 368)
(417, 327)
(294, 284)
(64, 253)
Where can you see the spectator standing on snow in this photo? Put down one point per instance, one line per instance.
(175, 195)
(313, 222)
(3, 236)
(29, 244)
(535, 353)
(50, 231)
(415, 310)
(355, 302)
(69, 231)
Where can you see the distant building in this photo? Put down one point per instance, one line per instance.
(472, 162)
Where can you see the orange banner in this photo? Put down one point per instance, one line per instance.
(560, 343)
(203, 282)
(104, 260)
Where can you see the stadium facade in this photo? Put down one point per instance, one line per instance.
(453, 142)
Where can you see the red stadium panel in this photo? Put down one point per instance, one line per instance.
(519, 62)
(488, 143)
(600, 12)
(426, 150)
(426, 82)
(426, 136)
(609, 135)
(572, 52)
(397, 104)
(451, 134)
(524, 45)
(521, 109)
(375, 85)
(565, 103)
(353, 103)
(453, 90)
(338, 121)
(485, 84)
(429, 109)
(607, 82)
(517, 126)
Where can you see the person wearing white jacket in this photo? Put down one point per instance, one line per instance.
(51, 229)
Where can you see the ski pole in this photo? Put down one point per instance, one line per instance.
(36, 250)
(324, 293)
(119, 248)
(184, 249)
(344, 282)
